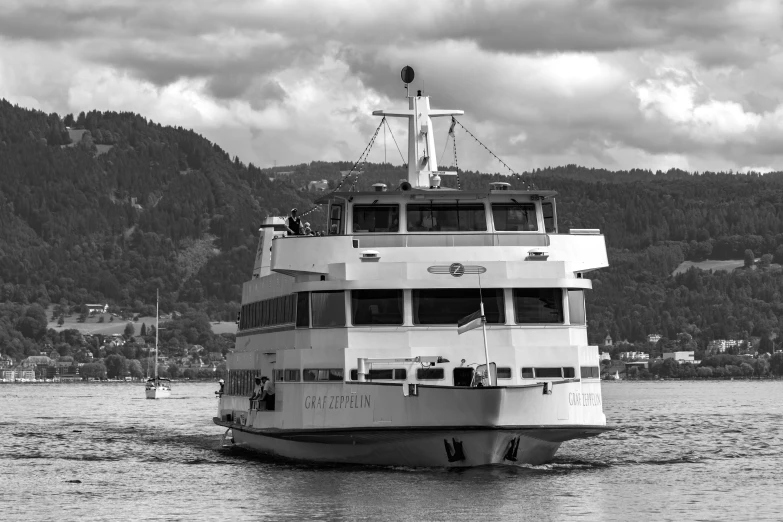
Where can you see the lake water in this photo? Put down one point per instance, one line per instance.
(684, 451)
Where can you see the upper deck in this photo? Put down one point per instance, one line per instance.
(438, 226)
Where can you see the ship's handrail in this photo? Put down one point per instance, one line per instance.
(442, 239)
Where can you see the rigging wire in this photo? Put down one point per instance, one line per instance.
(454, 141)
(514, 173)
(395, 141)
(363, 155)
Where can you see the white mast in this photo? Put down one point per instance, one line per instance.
(422, 160)
(157, 316)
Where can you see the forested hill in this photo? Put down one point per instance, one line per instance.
(131, 207)
(109, 207)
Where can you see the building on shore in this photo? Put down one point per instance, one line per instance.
(680, 357)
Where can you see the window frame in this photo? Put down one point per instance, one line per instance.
(498, 296)
(517, 309)
(439, 206)
(374, 230)
(526, 206)
(341, 293)
(400, 298)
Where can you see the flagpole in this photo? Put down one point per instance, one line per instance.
(484, 331)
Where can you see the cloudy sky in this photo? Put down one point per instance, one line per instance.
(694, 84)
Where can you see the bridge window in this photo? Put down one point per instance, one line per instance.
(538, 305)
(590, 372)
(576, 306)
(376, 218)
(303, 309)
(389, 374)
(376, 307)
(449, 305)
(504, 373)
(550, 221)
(429, 374)
(454, 217)
(514, 217)
(548, 373)
(328, 308)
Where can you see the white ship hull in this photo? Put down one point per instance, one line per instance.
(444, 447)
(158, 392)
(439, 427)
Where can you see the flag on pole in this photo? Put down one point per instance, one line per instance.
(469, 322)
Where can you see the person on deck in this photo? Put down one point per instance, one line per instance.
(268, 394)
(293, 224)
(258, 391)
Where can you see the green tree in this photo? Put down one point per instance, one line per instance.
(670, 368)
(95, 370)
(33, 323)
(143, 331)
(116, 366)
(61, 321)
(761, 367)
(749, 258)
(776, 364)
(135, 369)
(173, 371)
(129, 331)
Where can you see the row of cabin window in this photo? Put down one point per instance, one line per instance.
(452, 217)
(438, 306)
(268, 312)
(430, 373)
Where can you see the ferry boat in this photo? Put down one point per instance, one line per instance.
(367, 332)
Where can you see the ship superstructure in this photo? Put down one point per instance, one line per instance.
(358, 329)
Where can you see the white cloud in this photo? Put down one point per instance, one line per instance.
(612, 83)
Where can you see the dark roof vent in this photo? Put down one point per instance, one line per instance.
(379, 187)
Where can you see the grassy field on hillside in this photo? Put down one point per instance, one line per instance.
(92, 326)
(709, 264)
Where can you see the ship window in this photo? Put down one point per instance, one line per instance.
(328, 308)
(576, 306)
(550, 222)
(569, 373)
(455, 217)
(376, 218)
(397, 374)
(292, 375)
(279, 375)
(336, 220)
(514, 217)
(504, 373)
(303, 309)
(590, 372)
(527, 373)
(538, 305)
(370, 307)
(449, 305)
(326, 374)
(425, 374)
(549, 373)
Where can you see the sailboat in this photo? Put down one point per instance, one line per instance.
(157, 387)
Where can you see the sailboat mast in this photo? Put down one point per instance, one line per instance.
(157, 316)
